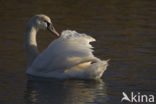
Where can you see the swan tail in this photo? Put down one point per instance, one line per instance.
(101, 68)
(92, 69)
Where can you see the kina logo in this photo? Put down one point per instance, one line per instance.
(137, 97)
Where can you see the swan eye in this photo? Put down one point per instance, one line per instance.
(47, 22)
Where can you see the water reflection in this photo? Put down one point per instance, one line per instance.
(54, 91)
(125, 31)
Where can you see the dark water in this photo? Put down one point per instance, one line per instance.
(125, 31)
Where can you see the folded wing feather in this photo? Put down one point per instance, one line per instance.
(70, 49)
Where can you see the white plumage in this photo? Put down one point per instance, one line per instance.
(69, 56)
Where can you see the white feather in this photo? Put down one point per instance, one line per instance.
(69, 56)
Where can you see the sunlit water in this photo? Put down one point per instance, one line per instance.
(125, 31)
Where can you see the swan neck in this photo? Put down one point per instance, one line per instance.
(31, 44)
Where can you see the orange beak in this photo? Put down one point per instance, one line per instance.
(52, 29)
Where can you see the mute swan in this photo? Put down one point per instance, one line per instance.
(69, 56)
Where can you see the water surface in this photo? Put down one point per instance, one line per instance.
(125, 31)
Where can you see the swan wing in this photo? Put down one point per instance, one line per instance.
(71, 48)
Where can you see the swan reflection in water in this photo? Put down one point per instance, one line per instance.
(55, 91)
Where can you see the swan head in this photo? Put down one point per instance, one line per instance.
(42, 22)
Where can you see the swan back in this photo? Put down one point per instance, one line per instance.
(70, 54)
(69, 49)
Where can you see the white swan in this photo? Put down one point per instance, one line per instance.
(69, 56)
